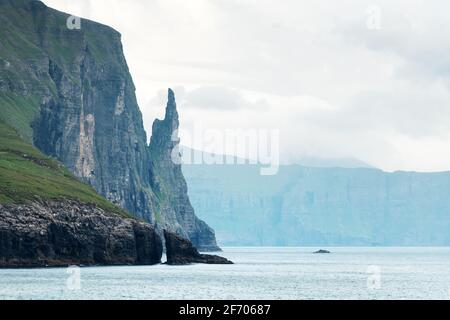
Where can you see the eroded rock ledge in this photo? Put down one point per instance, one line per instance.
(181, 252)
(61, 233)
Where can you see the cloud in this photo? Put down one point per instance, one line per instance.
(314, 70)
(415, 31)
(209, 98)
(218, 99)
(421, 113)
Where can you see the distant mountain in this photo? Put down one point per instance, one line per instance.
(190, 156)
(311, 206)
(316, 162)
(193, 156)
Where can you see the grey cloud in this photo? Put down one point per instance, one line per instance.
(208, 98)
(411, 113)
(218, 99)
(218, 54)
(415, 31)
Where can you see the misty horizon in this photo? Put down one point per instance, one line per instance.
(347, 80)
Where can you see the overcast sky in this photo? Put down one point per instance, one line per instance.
(348, 78)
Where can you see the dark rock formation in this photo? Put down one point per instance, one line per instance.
(75, 88)
(168, 180)
(61, 233)
(322, 251)
(181, 252)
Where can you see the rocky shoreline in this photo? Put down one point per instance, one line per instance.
(180, 251)
(61, 233)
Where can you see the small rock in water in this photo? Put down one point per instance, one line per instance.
(322, 251)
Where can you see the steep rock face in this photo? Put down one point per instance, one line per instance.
(181, 252)
(303, 206)
(59, 233)
(169, 180)
(75, 89)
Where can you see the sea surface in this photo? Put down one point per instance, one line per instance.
(258, 273)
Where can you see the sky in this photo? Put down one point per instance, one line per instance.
(338, 79)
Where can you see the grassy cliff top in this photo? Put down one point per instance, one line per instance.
(27, 175)
(32, 36)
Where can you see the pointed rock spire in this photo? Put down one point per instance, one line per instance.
(164, 130)
(171, 110)
(171, 97)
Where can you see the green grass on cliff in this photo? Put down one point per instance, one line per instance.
(31, 35)
(27, 175)
(19, 112)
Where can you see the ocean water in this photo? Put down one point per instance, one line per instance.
(259, 273)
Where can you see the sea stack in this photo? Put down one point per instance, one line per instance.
(181, 252)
